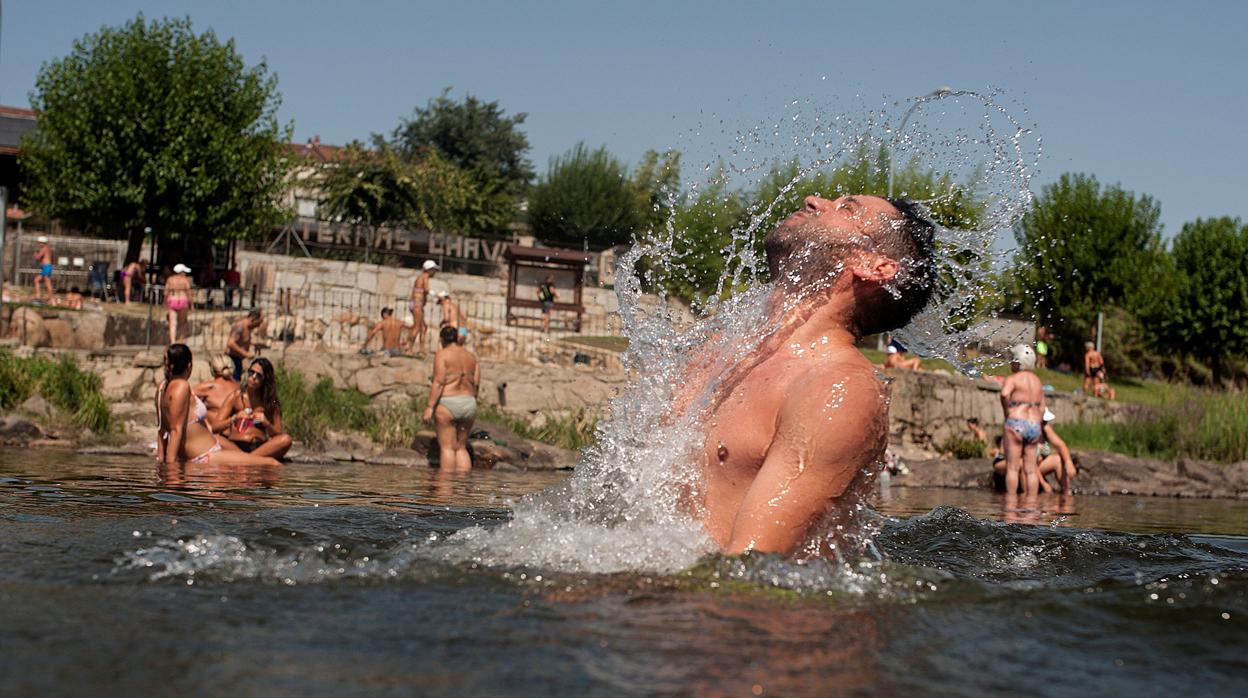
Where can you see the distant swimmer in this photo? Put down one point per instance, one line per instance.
(799, 425)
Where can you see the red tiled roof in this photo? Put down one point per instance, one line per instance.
(314, 151)
(18, 112)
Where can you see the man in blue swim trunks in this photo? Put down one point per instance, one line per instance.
(43, 257)
(1022, 399)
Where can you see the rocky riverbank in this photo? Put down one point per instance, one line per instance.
(1100, 473)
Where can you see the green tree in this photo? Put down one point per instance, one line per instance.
(656, 181)
(1083, 250)
(153, 125)
(703, 243)
(480, 139)
(585, 195)
(1201, 308)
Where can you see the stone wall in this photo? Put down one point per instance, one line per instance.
(928, 407)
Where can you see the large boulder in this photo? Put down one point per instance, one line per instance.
(90, 330)
(27, 326)
(60, 332)
(123, 383)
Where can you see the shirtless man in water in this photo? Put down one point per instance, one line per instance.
(801, 422)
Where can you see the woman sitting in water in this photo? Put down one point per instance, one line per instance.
(182, 432)
(220, 389)
(254, 414)
(453, 399)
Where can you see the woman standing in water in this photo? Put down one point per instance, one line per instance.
(453, 399)
(178, 300)
(254, 413)
(182, 430)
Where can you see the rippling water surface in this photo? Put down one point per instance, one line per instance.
(114, 577)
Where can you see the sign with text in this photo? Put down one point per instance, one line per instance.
(420, 242)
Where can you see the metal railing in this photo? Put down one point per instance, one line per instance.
(339, 320)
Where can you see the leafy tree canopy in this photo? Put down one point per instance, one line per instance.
(586, 195)
(1083, 249)
(151, 124)
(373, 188)
(1200, 309)
(475, 136)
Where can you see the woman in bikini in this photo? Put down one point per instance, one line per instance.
(131, 277)
(182, 432)
(453, 400)
(416, 304)
(1022, 398)
(252, 416)
(221, 388)
(178, 300)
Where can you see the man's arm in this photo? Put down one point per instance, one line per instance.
(824, 437)
(372, 333)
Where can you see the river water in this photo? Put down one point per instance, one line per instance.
(328, 580)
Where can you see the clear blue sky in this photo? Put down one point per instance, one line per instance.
(1150, 95)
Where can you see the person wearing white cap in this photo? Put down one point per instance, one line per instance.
(416, 305)
(452, 316)
(1055, 457)
(43, 257)
(1022, 400)
(178, 301)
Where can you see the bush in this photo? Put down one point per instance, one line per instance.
(961, 448)
(396, 424)
(309, 414)
(62, 383)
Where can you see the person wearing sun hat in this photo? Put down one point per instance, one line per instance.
(416, 305)
(1022, 400)
(178, 301)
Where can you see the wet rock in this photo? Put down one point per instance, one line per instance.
(15, 429)
(400, 456)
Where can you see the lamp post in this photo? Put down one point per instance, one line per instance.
(938, 92)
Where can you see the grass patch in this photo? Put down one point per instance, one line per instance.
(309, 412)
(75, 392)
(1189, 423)
(961, 447)
(570, 429)
(1133, 390)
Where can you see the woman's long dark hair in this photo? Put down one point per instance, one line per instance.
(268, 388)
(177, 359)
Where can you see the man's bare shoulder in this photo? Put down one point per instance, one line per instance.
(847, 380)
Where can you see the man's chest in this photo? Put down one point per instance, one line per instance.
(742, 424)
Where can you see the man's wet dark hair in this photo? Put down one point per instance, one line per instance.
(911, 243)
(387, 312)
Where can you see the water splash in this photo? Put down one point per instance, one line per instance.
(632, 502)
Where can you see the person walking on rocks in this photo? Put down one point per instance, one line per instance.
(391, 332)
(453, 400)
(43, 258)
(178, 301)
(238, 345)
(452, 316)
(416, 304)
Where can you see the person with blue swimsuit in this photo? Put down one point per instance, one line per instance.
(1022, 399)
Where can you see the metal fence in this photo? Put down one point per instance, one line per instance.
(338, 320)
